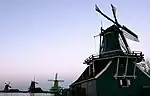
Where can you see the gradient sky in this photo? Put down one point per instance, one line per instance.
(41, 37)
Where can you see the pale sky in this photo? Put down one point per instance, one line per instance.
(41, 37)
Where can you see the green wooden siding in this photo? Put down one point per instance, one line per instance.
(107, 85)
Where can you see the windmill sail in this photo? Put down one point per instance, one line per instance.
(98, 10)
(114, 12)
(129, 34)
(122, 44)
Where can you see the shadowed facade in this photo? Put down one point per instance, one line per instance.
(115, 70)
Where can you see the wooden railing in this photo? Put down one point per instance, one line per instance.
(112, 53)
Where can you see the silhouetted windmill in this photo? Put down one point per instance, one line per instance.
(34, 89)
(32, 85)
(56, 88)
(7, 86)
(115, 63)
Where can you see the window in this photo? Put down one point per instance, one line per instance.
(125, 82)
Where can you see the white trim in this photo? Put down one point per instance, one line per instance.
(126, 69)
(116, 57)
(117, 67)
(103, 70)
(83, 81)
(121, 82)
(93, 69)
(129, 83)
(89, 70)
(118, 50)
(108, 32)
(134, 67)
(146, 86)
(110, 58)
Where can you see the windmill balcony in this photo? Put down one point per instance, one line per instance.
(115, 53)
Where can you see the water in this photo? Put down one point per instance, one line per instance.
(25, 94)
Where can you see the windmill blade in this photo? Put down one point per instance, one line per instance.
(56, 76)
(115, 22)
(34, 78)
(129, 34)
(126, 32)
(60, 80)
(51, 80)
(98, 10)
(125, 42)
(114, 12)
(96, 36)
(9, 86)
(122, 43)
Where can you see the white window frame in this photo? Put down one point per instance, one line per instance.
(128, 83)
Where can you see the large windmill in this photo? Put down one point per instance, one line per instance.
(114, 71)
(56, 89)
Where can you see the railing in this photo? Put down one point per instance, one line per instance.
(112, 53)
(136, 53)
(92, 57)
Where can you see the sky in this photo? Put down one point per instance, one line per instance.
(39, 38)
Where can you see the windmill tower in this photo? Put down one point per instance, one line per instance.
(56, 89)
(114, 71)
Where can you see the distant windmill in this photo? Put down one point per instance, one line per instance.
(33, 89)
(56, 88)
(32, 86)
(7, 86)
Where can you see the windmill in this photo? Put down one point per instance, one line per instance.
(118, 30)
(56, 88)
(115, 63)
(115, 49)
(7, 86)
(113, 43)
(32, 85)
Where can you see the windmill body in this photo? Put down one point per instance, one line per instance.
(110, 39)
(7, 86)
(56, 89)
(33, 88)
(115, 70)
